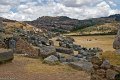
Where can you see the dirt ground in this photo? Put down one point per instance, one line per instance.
(23, 68)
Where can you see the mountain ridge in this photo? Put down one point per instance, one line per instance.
(66, 24)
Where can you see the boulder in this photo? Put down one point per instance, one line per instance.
(106, 64)
(110, 74)
(46, 51)
(6, 55)
(64, 50)
(51, 60)
(82, 65)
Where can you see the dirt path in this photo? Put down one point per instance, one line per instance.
(23, 68)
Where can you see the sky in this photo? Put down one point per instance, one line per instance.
(26, 10)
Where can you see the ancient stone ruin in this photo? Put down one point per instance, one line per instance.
(116, 43)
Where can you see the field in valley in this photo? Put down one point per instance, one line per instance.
(104, 42)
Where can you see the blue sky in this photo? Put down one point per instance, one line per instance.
(79, 9)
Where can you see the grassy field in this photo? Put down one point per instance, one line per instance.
(103, 42)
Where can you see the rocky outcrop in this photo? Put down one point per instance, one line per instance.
(103, 70)
(66, 24)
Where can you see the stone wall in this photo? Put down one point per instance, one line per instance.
(23, 47)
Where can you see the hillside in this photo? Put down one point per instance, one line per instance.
(66, 24)
(10, 27)
(103, 29)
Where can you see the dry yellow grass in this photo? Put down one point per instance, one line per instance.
(24, 68)
(103, 42)
(36, 66)
(112, 56)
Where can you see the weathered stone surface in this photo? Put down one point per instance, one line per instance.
(23, 47)
(101, 73)
(59, 55)
(116, 68)
(116, 43)
(6, 55)
(51, 59)
(60, 38)
(95, 66)
(2, 44)
(51, 42)
(110, 74)
(64, 50)
(96, 60)
(82, 65)
(46, 51)
(96, 77)
(106, 64)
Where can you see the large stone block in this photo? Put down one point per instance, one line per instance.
(6, 55)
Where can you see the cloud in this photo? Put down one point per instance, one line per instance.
(80, 9)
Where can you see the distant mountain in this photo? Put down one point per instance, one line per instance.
(103, 25)
(66, 24)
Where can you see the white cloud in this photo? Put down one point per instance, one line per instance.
(80, 9)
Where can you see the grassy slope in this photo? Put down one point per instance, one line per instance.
(107, 28)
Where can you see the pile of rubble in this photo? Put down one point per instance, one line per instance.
(103, 70)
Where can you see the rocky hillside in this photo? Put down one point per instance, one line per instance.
(66, 24)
